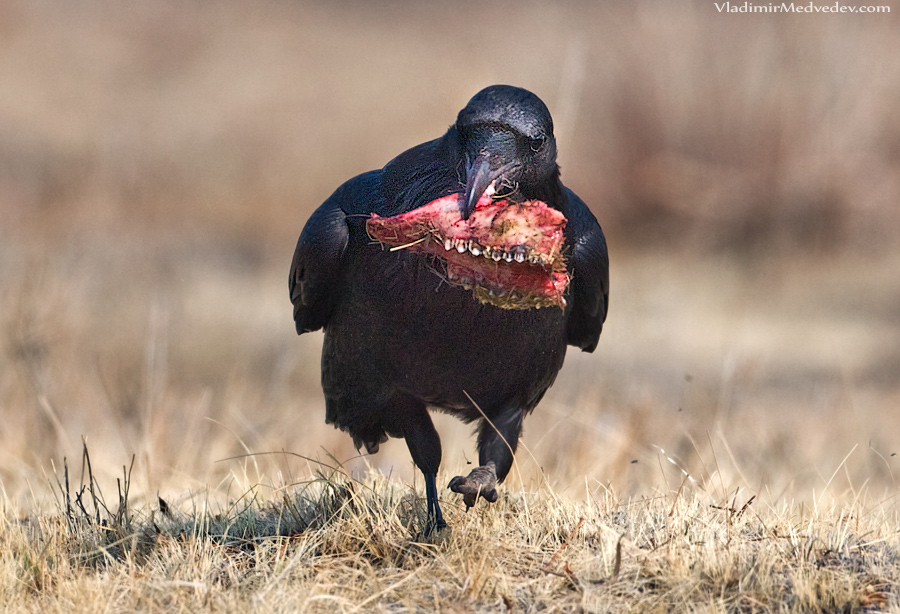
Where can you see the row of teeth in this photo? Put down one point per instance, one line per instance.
(518, 253)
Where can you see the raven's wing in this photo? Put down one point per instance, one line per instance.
(318, 264)
(589, 262)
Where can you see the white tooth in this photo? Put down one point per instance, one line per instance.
(487, 252)
(461, 247)
(507, 256)
(474, 249)
(497, 255)
(520, 257)
(448, 244)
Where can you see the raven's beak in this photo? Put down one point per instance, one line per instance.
(478, 178)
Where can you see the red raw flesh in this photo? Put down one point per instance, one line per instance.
(531, 233)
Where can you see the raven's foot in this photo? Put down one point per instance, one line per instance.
(480, 481)
(434, 527)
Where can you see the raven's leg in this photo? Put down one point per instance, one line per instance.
(498, 440)
(497, 443)
(411, 420)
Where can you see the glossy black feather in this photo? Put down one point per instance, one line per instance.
(586, 311)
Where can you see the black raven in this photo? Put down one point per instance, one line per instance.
(453, 279)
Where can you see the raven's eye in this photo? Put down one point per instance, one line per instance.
(537, 144)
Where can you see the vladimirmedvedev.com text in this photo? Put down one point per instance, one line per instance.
(792, 7)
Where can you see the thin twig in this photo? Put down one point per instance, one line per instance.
(563, 546)
(416, 242)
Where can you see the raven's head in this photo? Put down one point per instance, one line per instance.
(498, 236)
(506, 136)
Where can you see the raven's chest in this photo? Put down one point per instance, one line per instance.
(429, 337)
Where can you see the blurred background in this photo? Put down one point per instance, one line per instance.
(158, 161)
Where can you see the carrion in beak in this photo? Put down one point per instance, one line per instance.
(508, 254)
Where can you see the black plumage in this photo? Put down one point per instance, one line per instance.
(399, 339)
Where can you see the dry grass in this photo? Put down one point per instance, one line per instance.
(156, 166)
(336, 544)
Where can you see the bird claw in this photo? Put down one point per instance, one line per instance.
(481, 481)
(433, 528)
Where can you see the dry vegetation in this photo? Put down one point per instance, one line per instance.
(156, 165)
(337, 544)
